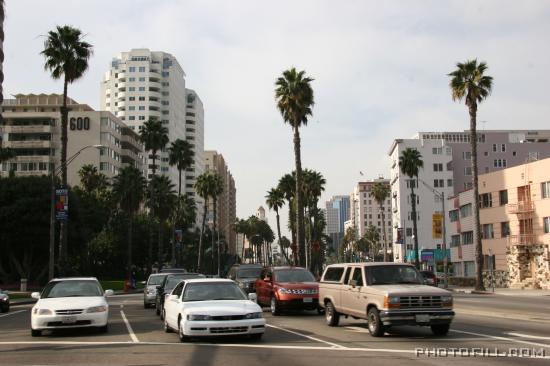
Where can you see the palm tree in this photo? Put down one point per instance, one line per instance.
(241, 227)
(313, 185)
(161, 201)
(181, 155)
(128, 192)
(410, 162)
(154, 137)
(381, 192)
(287, 186)
(468, 82)
(92, 180)
(184, 215)
(203, 186)
(275, 200)
(216, 190)
(294, 97)
(66, 56)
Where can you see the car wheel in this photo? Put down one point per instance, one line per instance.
(104, 329)
(376, 329)
(183, 337)
(257, 336)
(36, 333)
(331, 315)
(166, 327)
(5, 309)
(275, 307)
(145, 305)
(440, 329)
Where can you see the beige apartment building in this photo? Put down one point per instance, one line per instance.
(226, 203)
(515, 223)
(32, 128)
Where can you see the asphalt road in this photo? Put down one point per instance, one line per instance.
(503, 326)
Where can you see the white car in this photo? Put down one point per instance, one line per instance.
(70, 303)
(212, 307)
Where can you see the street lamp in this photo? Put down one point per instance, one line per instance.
(55, 172)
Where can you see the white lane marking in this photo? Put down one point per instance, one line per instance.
(305, 336)
(502, 338)
(13, 312)
(129, 327)
(528, 336)
(357, 329)
(257, 346)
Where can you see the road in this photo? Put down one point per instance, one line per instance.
(498, 324)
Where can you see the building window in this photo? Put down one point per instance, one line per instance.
(142, 79)
(503, 148)
(439, 183)
(487, 231)
(467, 155)
(545, 188)
(141, 107)
(142, 118)
(486, 153)
(546, 221)
(132, 88)
(504, 229)
(165, 74)
(131, 99)
(486, 200)
(438, 167)
(131, 79)
(453, 215)
(132, 69)
(455, 240)
(468, 171)
(132, 108)
(103, 166)
(466, 210)
(494, 147)
(467, 237)
(514, 153)
(437, 150)
(449, 182)
(409, 231)
(132, 118)
(142, 69)
(141, 88)
(503, 197)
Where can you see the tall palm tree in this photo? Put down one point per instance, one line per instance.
(470, 83)
(181, 155)
(312, 186)
(287, 186)
(203, 186)
(275, 200)
(161, 200)
(92, 180)
(381, 192)
(184, 215)
(294, 96)
(129, 192)
(216, 189)
(66, 56)
(154, 137)
(410, 162)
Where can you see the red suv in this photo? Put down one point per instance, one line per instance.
(287, 288)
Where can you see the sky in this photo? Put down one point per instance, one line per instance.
(379, 67)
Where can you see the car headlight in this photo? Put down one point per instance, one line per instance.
(97, 309)
(393, 299)
(242, 285)
(283, 290)
(314, 291)
(198, 317)
(151, 291)
(447, 299)
(253, 316)
(38, 311)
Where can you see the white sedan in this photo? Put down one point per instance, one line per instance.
(70, 303)
(212, 307)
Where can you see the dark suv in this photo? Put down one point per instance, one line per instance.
(245, 275)
(167, 285)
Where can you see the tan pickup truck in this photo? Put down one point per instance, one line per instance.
(385, 294)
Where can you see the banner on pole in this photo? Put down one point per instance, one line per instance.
(437, 226)
(62, 204)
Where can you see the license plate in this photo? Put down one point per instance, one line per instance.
(68, 319)
(422, 318)
(308, 299)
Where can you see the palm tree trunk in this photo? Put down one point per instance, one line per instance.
(415, 231)
(63, 225)
(384, 232)
(150, 246)
(214, 228)
(154, 160)
(160, 246)
(300, 232)
(279, 236)
(130, 219)
(242, 249)
(477, 227)
(202, 234)
(179, 183)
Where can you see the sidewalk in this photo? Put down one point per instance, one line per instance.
(502, 291)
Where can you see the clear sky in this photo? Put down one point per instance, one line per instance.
(379, 67)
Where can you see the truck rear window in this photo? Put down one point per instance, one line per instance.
(333, 274)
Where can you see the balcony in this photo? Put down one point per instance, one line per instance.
(36, 144)
(523, 239)
(27, 129)
(520, 207)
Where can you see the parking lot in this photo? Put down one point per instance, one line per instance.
(136, 337)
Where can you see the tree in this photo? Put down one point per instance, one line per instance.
(181, 155)
(312, 186)
(410, 162)
(161, 200)
(129, 192)
(216, 189)
(348, 243)
(241, 227)
(370, 242)
(203, 186)
(66, 56)
(92, 181)
(470, 83)
(184, 216)
(381, 192)
(295, 100)
(275, 200)
(287, 186)
(154, 137)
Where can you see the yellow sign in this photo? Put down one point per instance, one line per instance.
(437, 226)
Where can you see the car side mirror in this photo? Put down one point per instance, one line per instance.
(35, 295)
(253, 297)
(109, 293)
(143, 283)
(353, 283)
(174, 297)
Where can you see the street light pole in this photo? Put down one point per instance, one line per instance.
(55, 172)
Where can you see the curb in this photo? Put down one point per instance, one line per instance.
(472, 292)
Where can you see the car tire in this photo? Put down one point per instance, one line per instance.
(332, 317)
(145, 305)
(104, 329)
(256, 337)
(5, 309)
(440, 329)
(166, 327)
(182, 336)
(376, 328)
(36, 332)
(275, 307)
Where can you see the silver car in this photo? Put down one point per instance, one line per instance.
(150, 289)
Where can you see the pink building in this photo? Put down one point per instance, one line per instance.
(515, 224)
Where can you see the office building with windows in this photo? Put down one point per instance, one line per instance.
(337, 212)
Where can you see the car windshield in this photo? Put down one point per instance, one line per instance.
(207, 291)
(155, 280)
(249, 272)
(72, 288)
(172, 281)
(294, 275)
(389, 275)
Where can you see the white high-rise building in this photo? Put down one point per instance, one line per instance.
(142, 84)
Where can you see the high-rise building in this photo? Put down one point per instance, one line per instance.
(337, 212)
(32, 128)
(226, 203)
(141, 85)
(447, 170)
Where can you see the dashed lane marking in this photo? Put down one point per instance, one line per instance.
(521, 335)
(129, 327)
